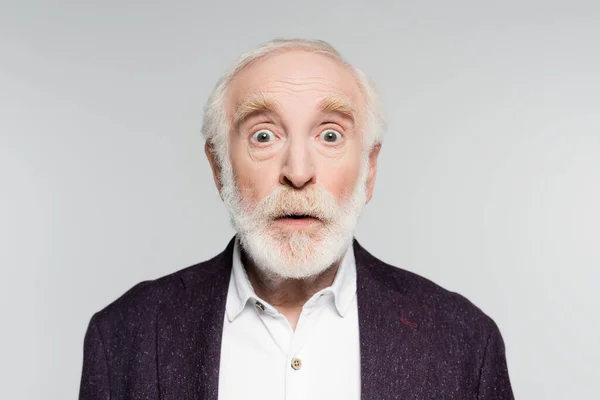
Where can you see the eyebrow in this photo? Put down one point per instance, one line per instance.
(261, 103)
(256, 103)
(338, 105)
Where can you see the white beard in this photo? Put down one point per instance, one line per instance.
(294, 253)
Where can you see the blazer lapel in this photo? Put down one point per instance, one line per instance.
(189, 331)
(389, 331)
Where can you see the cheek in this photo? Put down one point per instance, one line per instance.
(340, 179)
(255, 180)
(339, 176)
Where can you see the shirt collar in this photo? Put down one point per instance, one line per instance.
(343, 287)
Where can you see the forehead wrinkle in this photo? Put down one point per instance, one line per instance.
(333, 98)
(319, 80)
(336, 99)
(308, 85)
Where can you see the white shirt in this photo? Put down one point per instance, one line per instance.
(259, 345)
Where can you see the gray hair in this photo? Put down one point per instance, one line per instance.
(215, 126)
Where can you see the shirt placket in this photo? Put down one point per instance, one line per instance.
(292, 344)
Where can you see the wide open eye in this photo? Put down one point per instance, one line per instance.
(263, 136)
(330, 136)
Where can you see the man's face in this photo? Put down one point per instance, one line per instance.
(297, 155)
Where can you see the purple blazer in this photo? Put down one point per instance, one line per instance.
(162, 339)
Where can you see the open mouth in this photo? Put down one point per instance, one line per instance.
(297, 219)
(297, 216)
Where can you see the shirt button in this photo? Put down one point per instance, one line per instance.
(259, 306)
(296, 363)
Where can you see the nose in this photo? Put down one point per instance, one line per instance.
(298, 168)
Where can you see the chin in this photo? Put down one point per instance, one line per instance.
(295, 253)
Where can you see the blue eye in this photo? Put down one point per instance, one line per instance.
(263, 136)
(330, 136)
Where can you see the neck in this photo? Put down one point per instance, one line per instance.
(287, 295)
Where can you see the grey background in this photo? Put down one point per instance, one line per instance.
(488, 181)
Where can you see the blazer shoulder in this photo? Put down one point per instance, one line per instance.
(428, 296)
(142, 300)
(439, 299)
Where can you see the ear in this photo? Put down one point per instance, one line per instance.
(373, 154)
(209, 150)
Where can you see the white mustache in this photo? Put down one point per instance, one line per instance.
(285, 201)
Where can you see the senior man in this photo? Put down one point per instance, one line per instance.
(294, 307)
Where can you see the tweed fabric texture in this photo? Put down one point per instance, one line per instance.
(162, 339)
